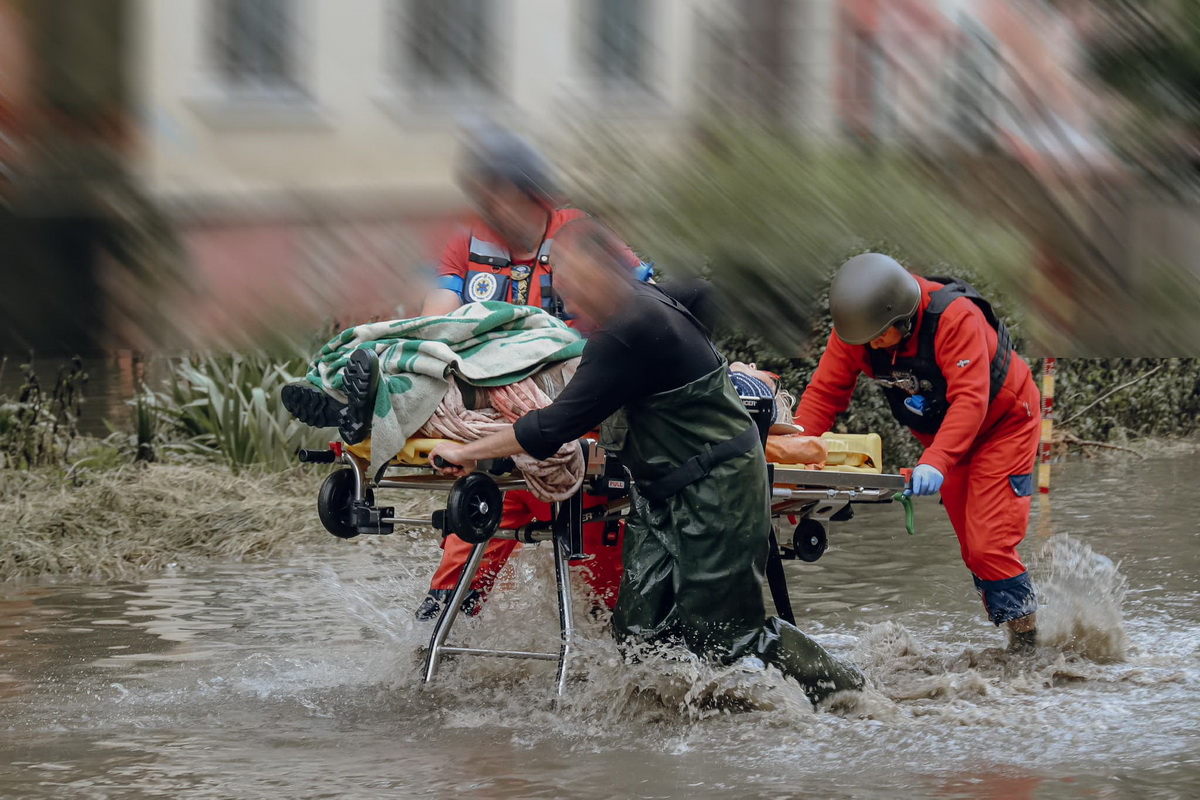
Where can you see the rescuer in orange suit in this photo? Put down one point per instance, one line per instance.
(504, 255)
(949, 371)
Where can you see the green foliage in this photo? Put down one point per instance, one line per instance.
(1160, 397)
(154, 433)
(147, 430)
(1148, 53)
(38, 427)
(227, 407)
(1151, 55)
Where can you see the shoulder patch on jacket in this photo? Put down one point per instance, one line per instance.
(964, 363)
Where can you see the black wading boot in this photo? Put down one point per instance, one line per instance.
(312, 406)
(360, 383)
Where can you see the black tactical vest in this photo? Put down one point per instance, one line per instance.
(920, 375)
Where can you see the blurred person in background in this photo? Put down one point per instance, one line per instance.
(505, 255)
(697, 536)
(950, 373)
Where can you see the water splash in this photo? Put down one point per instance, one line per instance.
(1081, 593)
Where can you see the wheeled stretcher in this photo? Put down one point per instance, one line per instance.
(810, 500)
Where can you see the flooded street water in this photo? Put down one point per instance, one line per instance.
(299, 679)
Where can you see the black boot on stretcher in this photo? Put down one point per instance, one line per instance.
(360, 382)
(312, 406)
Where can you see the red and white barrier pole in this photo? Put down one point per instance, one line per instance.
(1047, 425)
(1044, 527)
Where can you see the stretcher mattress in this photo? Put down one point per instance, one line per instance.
(848, 452)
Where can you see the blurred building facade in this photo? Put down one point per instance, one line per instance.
(14, 85)
(301, 151)
(929, 68)
(305, 148)
(64, 139)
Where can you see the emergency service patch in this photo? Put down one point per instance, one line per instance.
(964, 363)
(481, 287)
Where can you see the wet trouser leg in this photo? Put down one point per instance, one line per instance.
(455, 551)
(703, 585)
(602, 572)
(987, 496)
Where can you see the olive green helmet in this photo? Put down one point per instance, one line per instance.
(871, 293)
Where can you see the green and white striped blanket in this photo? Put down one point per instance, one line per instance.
(485, 344)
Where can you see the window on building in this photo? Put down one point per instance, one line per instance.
(618, 33)
(863, 83)
(256, 44)
(448, 45)
(974, 90)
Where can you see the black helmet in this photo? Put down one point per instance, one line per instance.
(870, 294)
(494, 154)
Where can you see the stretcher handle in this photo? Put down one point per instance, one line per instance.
(316, 456)
(442, 463)
(909, 518)
(905, 499)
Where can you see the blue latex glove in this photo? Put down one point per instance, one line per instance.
(925, 480)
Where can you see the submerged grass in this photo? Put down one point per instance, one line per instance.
(146, 516)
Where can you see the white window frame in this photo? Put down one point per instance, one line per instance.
(411, 102)
(643, 95)
(226, 105)
(619, 83)
(979, 46)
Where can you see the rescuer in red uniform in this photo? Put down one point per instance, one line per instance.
(949, 371)
(505, 255)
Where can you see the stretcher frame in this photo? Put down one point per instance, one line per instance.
(818, 496)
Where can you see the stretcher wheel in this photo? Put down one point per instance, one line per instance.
(473, 508)
(809, 540)
(334, 502)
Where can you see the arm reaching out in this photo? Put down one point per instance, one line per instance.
(463, 458)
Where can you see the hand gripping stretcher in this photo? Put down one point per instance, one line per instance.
(811, 500)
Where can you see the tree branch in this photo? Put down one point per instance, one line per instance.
(1107, 395)
(1070, 438)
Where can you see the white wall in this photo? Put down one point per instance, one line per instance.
(816, 59)
(361, 134)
